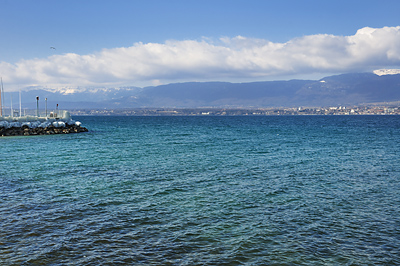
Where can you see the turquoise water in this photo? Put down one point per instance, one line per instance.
(302, 190)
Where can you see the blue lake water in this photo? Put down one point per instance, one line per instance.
(295, 190)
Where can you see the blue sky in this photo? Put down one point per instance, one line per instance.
(139, 43)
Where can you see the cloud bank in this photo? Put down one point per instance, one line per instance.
(225, 59)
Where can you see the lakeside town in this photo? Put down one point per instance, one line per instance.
(341, 110)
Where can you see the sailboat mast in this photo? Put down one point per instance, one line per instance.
(20, 103)
(1, 99)
(12, 112)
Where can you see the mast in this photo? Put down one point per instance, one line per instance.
(1, 99)
(20, 103)
(12, 112)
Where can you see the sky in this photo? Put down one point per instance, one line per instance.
(100, 43)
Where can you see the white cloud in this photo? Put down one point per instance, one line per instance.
(229, 58)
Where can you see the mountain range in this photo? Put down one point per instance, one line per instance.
(345, 89)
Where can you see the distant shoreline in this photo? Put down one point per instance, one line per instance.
(210, 111)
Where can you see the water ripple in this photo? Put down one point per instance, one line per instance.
(204, 191)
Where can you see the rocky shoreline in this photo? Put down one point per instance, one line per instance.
(49, 130)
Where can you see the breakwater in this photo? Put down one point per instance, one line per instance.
(51, 129)
(31, 125)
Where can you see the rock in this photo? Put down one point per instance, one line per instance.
(49, 130)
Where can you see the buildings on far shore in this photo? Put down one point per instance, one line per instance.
(210, 111)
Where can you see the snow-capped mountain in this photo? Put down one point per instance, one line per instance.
(345, 89)
(382, 72)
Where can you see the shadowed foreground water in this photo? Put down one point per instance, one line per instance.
(312, 190)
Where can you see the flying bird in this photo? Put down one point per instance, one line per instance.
(52, 48)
